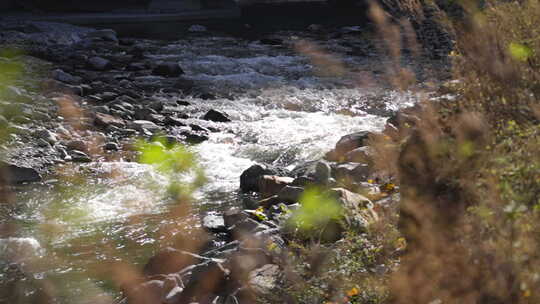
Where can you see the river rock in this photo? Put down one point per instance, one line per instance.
(216, 116)
(144, 126)
(249, 180)
(197, 28)
(79, 156)
(14, 174)
(62, 76)
(168, 69)
(290, 194)
(47, 136)
(270, 184)
(264, 281)
(349, 173)
(214, 223)
(173, 121)
(106, 120)
(323, 172)
(77, 145)
(346, 144)
(194, 137)
(359, 155)
(105, 34)
(99, 64)
(357, 210)
(111, 146)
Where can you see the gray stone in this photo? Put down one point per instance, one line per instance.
(349, 173)
(106, 120)
(62, 76)
(47, 136)
(323, 172)
(98, 63)
(264, 281)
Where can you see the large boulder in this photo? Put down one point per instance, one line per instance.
(357, 210)
(249, 180)
(270, 184)
(350, 142)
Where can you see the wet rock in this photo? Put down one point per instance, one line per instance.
(173, 121)
(62, 76)
(60, 87)
(99, 64)
(349, 173)
(195, 127)
(144, 113)
(111, 146)
(323, 172)
(77, 145)
(290, 194)
(183, 103)
(214, 223)
(144, 126)
(216, 116)
(14, 174)
(43, 143)
(270, 184)
(79, 156)
(249, 180)
(107, 96)
(234, 216)
(168, 69)
(303, 181)
(350, 142)
(197, 28)
(194, 137)
(359, 155)
(357, 210)
(106, 35)
(264, 281)
(46, 136)
(106, 120)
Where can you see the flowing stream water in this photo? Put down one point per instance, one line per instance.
(284, 109)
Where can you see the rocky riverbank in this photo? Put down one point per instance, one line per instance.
(77, 95)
